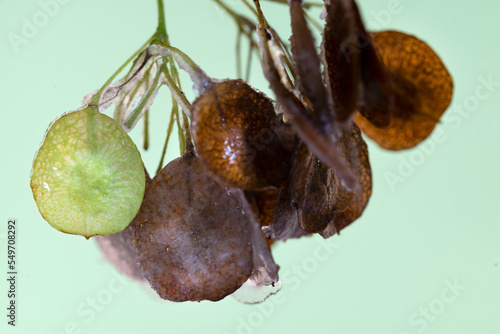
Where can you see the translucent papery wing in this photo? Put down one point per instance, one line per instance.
(356, 152)
(134, 93)
(421, 86)
(252, 292)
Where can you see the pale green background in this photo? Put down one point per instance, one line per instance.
(441, 224)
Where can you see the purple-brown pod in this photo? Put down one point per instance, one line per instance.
(193, 237)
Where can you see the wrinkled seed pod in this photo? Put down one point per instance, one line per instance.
(356, 152)
(421, 86)
(233, 132)
(316, 190)
(193, 237)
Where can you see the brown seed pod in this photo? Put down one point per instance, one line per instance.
(421, 87)
(193, 237)
(285, 223)
(316, 190)
(233, 132)
(118, 248)
(356, 152)
(264, 204)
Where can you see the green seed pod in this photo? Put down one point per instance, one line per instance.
(88, 177)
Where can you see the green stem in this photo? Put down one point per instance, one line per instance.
(198, 76)
(178, 94)
(161, 31)
(169, 132)
(91, 129)
(145, 140)
(227, 9)
(249, 62)
(265, 25)
(180, 132)
(187, 134)
(139, 110)
(238, 53)
(250, 7)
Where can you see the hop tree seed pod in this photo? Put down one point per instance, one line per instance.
(88, 177)
(193, 237)
(233, 132)
(356, 152)
(420, 84)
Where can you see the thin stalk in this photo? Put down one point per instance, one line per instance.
(305, 5)
(227, 9)
(97, 96)
(238, 53)
(187, 134)
(264, 24)
(178, 94)
(250, 7)
(249, 61)
(169, 132)
(138, 111)
(314, 22)
(200, 79)
(182, 142)
(145, 138)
